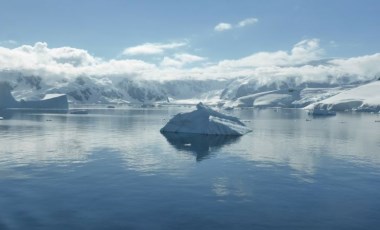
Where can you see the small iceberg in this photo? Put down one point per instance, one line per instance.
(205, 120)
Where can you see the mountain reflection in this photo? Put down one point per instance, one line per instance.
(199, 144)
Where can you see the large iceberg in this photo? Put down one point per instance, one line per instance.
(205, 120)
(50, 101)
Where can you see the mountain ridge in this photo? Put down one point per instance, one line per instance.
(238, 92)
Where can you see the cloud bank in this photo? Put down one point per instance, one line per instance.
(303, 62)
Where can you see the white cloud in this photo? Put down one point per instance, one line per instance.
(302, 52)
(152, 48)
(247, 22)
(308, 50)
(367, 65)
(43, 61)
(265, 67)
(222, 27)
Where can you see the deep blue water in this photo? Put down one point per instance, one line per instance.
(113, 169)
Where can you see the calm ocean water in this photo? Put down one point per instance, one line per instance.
(113, 169)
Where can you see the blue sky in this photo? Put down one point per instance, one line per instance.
(345, 28)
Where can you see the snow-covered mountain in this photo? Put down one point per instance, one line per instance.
(238, 92)
(94, 90)
(289, 93)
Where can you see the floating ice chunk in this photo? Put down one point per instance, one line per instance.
(205, 120)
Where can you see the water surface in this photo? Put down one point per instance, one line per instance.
(113, 169)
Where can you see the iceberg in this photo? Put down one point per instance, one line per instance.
(205, 120)
(50, 101)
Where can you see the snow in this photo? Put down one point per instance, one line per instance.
(312, 95)
(273, 98)
(362, 98)
(205, 120)
(287, 98)
(52, 95)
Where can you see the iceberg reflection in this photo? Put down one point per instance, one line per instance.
(199, 144)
